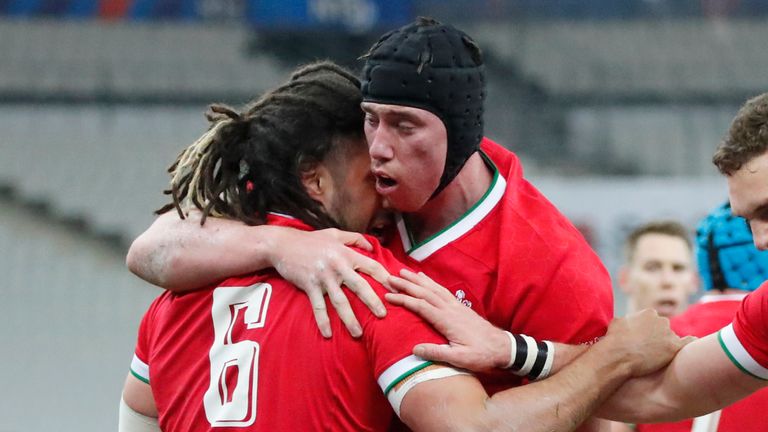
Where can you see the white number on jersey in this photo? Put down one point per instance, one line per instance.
(235, 363)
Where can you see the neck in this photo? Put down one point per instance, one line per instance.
(454, 201)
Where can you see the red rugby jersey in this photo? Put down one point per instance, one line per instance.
(710, 314)
(746, 339)
(247, 354)
(518, 262)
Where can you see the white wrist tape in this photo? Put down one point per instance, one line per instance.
(529, 358)
(397, 393)
(548, 363)
(513, 350)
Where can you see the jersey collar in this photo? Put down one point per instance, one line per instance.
(711, 298)
(459, 227)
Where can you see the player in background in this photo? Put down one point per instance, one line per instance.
(658, 270)
(730, 267)
(244, 354)
(706, 375)
(463, 199)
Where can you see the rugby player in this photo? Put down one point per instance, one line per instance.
(243, 354)
(730, 267)
(467, 216)
(706, 375)
(658, 272)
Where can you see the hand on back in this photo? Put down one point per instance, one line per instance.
(320, 262)
(474, 343)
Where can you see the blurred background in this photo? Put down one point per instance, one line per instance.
(615, 107)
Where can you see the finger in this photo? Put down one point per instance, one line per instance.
(395, 299)
(340, 303)
(434, 352)
(319, 310)
(420, 307)
(354, 239)
(372, 268)
(414, 290)
(358, 285)
(414, 305)
(421, 279)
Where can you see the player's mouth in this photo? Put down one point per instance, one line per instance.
(384, 184)
(666, 308)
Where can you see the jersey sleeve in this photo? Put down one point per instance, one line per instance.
(745, 340)
(573, 305)
(570, 298)
(390, 340)
(584, 305)
(140, 361)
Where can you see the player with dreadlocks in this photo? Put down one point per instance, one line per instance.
(244, 352)
(294, 158)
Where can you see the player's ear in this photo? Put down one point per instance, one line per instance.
(316, 180)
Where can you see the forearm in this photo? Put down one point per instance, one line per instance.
(564, 401)
(700, 379)
(181, 255)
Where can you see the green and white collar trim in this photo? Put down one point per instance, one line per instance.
(739, 355)
(712, 298)
(459, 227)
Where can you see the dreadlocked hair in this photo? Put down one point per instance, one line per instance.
(248, 164)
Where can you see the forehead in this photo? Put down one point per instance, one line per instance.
(748, 187)
(662, 247)
(395, 110)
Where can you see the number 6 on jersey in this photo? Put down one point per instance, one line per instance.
(231, 396)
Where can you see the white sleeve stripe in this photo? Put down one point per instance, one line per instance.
(396, 396)
(739, 355)
(139, 369)
(401, 369)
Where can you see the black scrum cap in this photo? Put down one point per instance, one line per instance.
(438, 68)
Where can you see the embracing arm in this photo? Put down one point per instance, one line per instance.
(700, 379)
(561, 402)
(181, 255)
(582, 378)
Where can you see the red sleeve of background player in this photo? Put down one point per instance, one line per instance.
(745, 341)
(140, 361)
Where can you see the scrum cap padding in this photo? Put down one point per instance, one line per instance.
(436, 68)
(726, 254)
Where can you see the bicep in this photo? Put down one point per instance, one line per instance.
(444, 404)
(138, 396)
